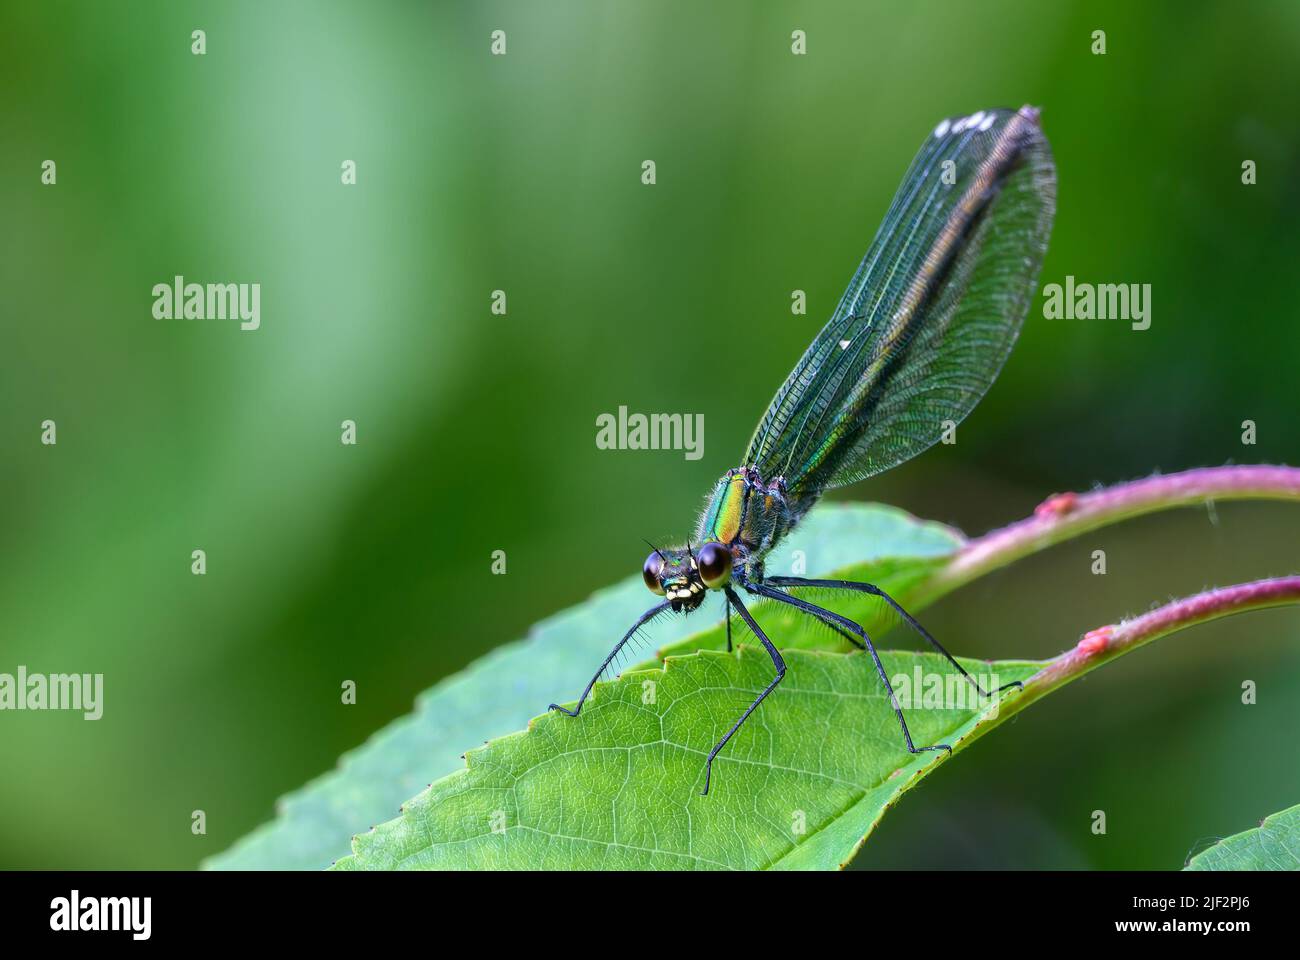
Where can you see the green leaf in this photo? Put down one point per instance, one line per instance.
(799, 786)
(500, 692)
(1273, 845)
(802, 785)
(916, 561)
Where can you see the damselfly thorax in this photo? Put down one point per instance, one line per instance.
(749, 512)
(744, 518)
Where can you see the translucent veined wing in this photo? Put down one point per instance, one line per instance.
(931, 314)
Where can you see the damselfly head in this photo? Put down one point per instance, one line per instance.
(674, 574)
(686, 574)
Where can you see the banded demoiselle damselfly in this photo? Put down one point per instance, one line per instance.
(917, 339)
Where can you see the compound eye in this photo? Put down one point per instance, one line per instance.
(714, 561)
(654, 565)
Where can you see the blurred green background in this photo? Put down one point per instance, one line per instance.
(476, 432)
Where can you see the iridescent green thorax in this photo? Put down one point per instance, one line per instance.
(725, 509)
(748, 511)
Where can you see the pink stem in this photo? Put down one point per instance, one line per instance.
(1105, 643)
(1066, 515)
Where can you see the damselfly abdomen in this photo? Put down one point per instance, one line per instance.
(917, 339)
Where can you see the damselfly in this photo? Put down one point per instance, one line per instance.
(922, 331)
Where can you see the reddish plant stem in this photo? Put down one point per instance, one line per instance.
(1066, 515)
(1106, 643)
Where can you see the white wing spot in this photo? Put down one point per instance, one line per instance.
(941, 129)
(974, 120)
(844, 344)
(988, 122)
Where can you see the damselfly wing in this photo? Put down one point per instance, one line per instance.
(920, 334)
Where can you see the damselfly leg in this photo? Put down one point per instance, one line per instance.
(646, 617)
(836, 620)
(777, 662)
(911, 621)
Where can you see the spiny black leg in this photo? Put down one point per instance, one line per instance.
(840, 630)
(728, 602)
(777, 662)
(645, 618)
(846, 635)
(911, 621)
(830, 617)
